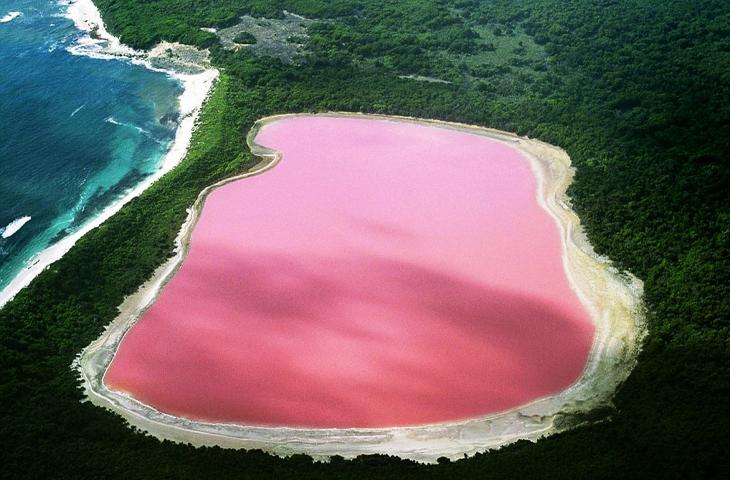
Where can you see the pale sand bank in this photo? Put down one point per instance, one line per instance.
(614, 302)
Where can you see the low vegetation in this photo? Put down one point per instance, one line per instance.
(245, 38)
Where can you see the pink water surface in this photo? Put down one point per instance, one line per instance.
(382, 274)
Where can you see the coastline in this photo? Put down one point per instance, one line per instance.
(196, 87)
(613, 300)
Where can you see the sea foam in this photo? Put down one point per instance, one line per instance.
(14, 226)
(141, 130)
(10, 16)
(77, 110)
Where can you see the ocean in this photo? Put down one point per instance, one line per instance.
(76, 132)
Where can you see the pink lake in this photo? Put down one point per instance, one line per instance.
(382, 274)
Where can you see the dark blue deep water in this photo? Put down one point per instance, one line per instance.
(75, 132)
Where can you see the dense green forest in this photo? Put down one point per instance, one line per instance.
(637, 92)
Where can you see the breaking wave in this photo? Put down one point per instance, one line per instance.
(13, 227)
(10, 16)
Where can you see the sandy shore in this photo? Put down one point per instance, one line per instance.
(613, 300)
(196, 86)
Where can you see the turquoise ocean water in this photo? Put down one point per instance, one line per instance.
(75, 132)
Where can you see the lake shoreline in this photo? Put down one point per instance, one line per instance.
(619, 330)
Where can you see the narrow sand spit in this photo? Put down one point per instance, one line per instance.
(613, 300)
